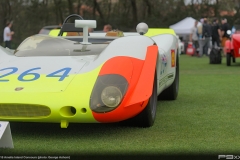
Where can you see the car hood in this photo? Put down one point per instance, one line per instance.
(40, 74)
(59, 69)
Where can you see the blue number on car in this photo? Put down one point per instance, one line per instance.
(13, 70)
(65, 74)
(35, 75)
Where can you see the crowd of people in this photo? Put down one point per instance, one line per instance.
(208, 35)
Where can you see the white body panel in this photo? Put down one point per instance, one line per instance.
(131, 46)
(165, 72)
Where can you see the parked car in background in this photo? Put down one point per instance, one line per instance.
(232, 46)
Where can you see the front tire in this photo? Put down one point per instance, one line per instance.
(147, 117)
(228, 59)
(171, 92)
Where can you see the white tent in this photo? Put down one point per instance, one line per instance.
(184, 26)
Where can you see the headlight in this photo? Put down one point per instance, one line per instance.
(108, 93)
(111, 96)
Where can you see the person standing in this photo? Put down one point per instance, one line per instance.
(194, 36)
(206, 37)
(216, 32)
(200, 38)
(7, 35)
(224, 36)
(107, 28)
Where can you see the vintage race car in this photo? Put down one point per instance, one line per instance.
(84, 79)
(232, 46)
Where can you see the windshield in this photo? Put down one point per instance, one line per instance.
(44, 45)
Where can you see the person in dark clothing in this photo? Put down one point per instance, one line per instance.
(207, 34)
(216, 32)
(224, 36)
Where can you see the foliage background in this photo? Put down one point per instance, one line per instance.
(29, 16)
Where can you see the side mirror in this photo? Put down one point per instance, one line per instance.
(85, 24)
(229, 32)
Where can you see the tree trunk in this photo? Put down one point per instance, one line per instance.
(78, 7)
(134, 13)
(70, 7)
(98, 10)
(109, 9)
(149, 8)
(6, 14)
(45, 4)
(58, 11)
(94, 9)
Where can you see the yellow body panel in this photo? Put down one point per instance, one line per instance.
(156, 31)
(76, 95)
(43, 84)
(54, 32)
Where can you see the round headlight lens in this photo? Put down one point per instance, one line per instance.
(111, 96)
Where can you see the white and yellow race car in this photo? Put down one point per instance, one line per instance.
(87, 79)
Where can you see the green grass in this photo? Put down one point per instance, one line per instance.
(204, 119)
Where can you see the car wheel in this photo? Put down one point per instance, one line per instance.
(171, 92)
(228, 59)
(147, 117)
(233, 59)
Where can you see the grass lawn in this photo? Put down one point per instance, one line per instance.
(205, 119)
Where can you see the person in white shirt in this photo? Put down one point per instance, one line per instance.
(194, 36)
(7, 35)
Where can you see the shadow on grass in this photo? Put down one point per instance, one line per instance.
(74, 129)
(237, 64)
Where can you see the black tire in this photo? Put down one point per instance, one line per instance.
(171, 92)
(233, 59)
(228, 59)
(147, 117)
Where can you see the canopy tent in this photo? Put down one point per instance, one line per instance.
(184, 26)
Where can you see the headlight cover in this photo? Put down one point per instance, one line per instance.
(108, 93)
(111, 96)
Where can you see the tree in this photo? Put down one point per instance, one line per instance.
(30, 16)
(6, 14)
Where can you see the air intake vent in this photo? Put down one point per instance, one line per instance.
(23, 110)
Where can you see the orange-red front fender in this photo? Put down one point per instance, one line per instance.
(228, 46)
(140, 85)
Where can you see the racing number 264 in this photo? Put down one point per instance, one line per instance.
(62, 73)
